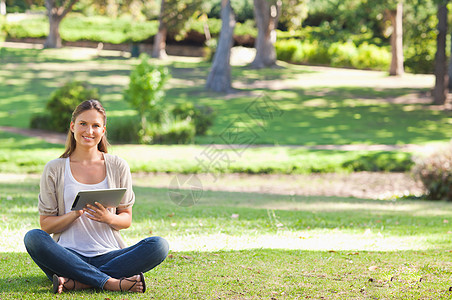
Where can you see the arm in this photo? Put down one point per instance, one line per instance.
(121, 220)
(57, 224)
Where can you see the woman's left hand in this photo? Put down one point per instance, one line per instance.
(98, 213)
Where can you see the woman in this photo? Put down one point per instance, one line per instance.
(86, 250)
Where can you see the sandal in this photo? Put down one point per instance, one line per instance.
(56, 284)
(134, 283)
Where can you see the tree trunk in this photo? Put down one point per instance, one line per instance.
(267, 16)
(159, 47)
(53, 39)
(397, 41)
(2, 7)
(56, 14)
(219, 79)
(440, 90)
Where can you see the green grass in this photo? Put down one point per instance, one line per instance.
(311, 114)
(19, 154)
(254, 246)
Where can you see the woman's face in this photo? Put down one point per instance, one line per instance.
(88, 128)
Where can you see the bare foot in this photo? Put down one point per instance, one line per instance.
(129, 284)
(63, 284)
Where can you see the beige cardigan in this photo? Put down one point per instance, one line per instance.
(51, 202)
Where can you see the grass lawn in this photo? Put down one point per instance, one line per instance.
(254, 246)
(302, 105)
(19, 154)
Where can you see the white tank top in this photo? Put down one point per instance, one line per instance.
(85, 236)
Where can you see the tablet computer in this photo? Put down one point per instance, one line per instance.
(106, 197)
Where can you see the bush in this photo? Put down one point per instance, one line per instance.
(286, 49)
(372, 57)
(202, 116)
(339, 54)
(172, 131)
(41, 121)
(435, 172)
(342, 54)
(64, 100)
(124, 130)
(145, 93)
(2, 28)
(381, 162)
(61, 104)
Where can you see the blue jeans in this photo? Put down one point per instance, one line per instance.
(94, 271)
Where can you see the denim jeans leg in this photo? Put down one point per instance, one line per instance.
(55, 259)
(141, 257)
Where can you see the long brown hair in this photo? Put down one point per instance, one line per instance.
(70, 140)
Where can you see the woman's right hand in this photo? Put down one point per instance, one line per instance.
(56, 224)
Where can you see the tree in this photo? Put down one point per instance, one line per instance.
(396, 18)
(266, 13)
(56, 11)
(441, 77)
(219, 79)
(2, 7)
(173, 18)
(159, 47)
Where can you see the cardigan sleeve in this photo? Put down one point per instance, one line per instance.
(123, 178)
(48, 202)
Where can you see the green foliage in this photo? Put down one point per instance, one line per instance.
(41, 121)
(381, 162)
(338, 54)
(64, 100)
(243, 9)
(371, 57)
(146, 91)
(435, 172)
(172, 131)
(76, 27)
(201, 115)
(2, 28)
(124, 131)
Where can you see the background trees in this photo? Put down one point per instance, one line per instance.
(56, 11)
(219, 79)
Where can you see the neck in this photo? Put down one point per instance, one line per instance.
(86, 154)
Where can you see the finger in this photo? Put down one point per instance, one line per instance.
(101, 207)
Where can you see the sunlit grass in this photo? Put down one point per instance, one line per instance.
(248, 245)
(357, 111)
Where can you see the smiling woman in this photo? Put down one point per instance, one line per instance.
(86, 249)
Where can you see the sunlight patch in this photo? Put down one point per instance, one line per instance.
(315, 241)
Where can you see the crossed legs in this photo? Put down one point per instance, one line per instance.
(115, 270)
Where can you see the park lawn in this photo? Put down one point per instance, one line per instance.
(254, 246)
(288, 105)
(20, 154)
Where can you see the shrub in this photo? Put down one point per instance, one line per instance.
(202, 116)
(342, 54)
(124, 130)
(2, 28)
(381, 161)
(145, 93)
(371, 57)
(435, 172)
(62, 103)
(172, 131)
(41, 121)
(286, 49)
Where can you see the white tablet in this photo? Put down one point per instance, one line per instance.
(106, 197)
